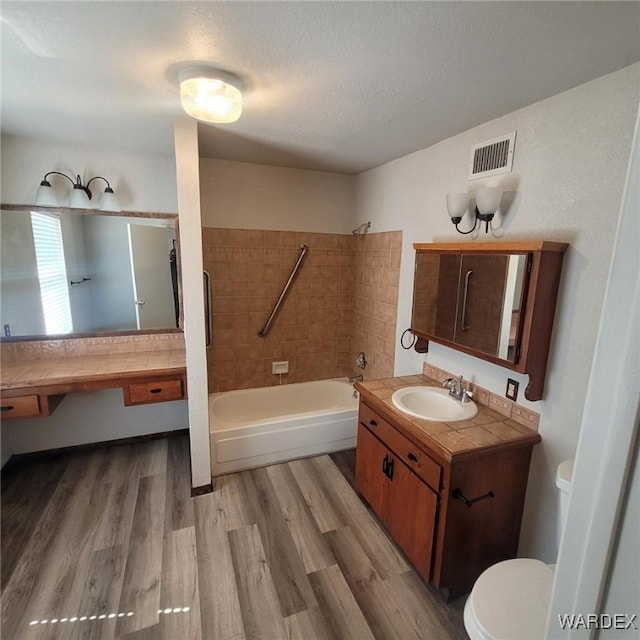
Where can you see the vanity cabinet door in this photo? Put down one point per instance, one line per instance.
(404, 503)
(410, 515)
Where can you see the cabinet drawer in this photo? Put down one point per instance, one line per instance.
(20, 407)
(147, 392)
(417, 460)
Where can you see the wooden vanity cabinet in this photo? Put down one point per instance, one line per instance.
(413, 490)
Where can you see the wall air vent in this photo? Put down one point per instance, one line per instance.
(492, 157)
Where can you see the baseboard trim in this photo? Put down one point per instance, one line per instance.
(19, 460)
(201, 490)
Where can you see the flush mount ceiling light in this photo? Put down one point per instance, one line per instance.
(80, 194)
(487, 204)
(210, 95)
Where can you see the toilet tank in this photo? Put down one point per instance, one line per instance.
(564, 476)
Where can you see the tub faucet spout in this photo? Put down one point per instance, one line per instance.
(353, 379)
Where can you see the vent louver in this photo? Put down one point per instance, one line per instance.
(492, 157)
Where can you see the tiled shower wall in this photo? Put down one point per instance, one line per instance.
(342, 302)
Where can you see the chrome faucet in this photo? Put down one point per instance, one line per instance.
(353, 379)
(456, 389)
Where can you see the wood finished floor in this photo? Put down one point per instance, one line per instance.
(109, 544)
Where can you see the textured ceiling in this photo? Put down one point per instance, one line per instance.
(338, 86)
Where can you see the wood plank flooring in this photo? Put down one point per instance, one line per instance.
(109, 544)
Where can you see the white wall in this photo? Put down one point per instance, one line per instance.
(569, 167)
(142, 183)
(241, 195)
(92, 417)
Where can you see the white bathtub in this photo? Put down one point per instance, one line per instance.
(255, 427)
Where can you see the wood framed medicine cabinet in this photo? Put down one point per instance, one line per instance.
(495, 301)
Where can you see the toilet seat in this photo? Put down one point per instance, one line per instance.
(510, 600)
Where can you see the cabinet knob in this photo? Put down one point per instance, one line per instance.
(373, 423)
(412, 457)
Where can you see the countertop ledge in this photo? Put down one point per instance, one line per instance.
(70, 370)
(488, 431)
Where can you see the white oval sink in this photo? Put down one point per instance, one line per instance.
(433, 403)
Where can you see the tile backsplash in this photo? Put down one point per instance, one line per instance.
(12, 352)
(499, 404)
(343, 301)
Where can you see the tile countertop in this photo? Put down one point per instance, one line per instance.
(487, 430)
(71, 369)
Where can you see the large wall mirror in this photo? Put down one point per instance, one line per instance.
(69, 272)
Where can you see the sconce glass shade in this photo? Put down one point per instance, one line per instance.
(79, 199)
(488, 200)
(210, 95)
(457, 204)
(46, 196)
(108, 201)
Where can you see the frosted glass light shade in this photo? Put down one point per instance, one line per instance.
(209, 96)
(79, 199)
(108, 201)
(457, 204)
(488, 199)
(46, 196)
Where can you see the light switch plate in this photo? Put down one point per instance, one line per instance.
(512, 389)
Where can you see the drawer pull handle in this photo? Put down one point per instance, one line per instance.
(156, 390)
(458, 495)
(412, 457)
(8, 407)
(373, 423)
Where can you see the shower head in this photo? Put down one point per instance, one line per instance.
(362, 229)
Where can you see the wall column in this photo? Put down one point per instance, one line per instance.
(188, 186)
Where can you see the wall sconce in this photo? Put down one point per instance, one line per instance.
(210, 95)
(487, 203)
(80, 195)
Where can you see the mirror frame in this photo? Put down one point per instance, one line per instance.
(542, 282)
(100, 334)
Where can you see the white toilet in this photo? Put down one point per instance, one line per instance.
(511, 599)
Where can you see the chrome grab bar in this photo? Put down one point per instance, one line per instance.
(463, 320)
(267, 325)
(208, 315)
